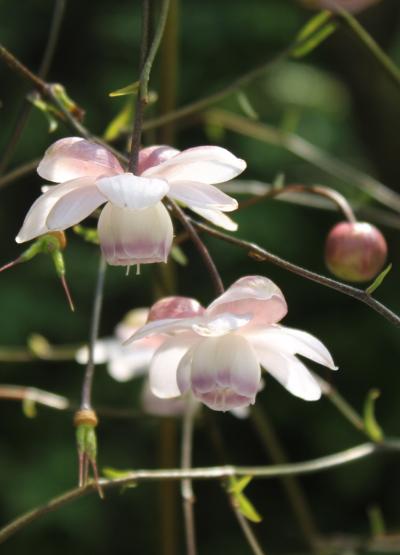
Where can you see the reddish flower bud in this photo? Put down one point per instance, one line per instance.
(355, 251)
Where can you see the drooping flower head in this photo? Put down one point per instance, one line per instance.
(217, 353)
(134, 226)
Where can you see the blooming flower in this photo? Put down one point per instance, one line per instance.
(217, 352)
(134, 226)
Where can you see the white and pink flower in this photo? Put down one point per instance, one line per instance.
(134, 226)
(217, 353)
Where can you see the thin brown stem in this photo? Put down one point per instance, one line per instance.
(348, 456)
(188, 498)
(203, 251)
(262, 255)
(247, 530)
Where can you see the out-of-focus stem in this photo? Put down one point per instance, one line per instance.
(188, 499)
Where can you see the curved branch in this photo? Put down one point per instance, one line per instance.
(209, 473)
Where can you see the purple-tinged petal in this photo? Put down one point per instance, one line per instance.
(129, 191)
(74, 157)
(175, 307)
(154, 156)
(129, 237)
(202, 195)
(184, 371)
(74, 207)
(164, 365)
(254, 295)
(35, 220)
(203, 164)
(216, 217)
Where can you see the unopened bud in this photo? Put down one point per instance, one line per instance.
(355, 251)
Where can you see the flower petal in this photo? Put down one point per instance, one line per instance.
(291, 341)
(202, 195)
(175, 307)
(289, 371)
(104, 350)
(203, 164)
(154, 156)
(164, 365)
(254, 295)
(221, 324)
(74, 157)
(216, 217)
(130, 191)
(166, 326)
(130, 237)
(132, 362)
(74, 207)
(161, 407)
(35, 220)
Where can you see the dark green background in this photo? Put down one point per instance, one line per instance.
(347, 106)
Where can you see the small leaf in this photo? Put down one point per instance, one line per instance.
(114, 474)
(129, 89)
(371, 425)
(247, 508)
(179, 256)
(70, 105)
(313, 25)
(89, 234)
(121, 121)
(246, 106)
(315, 40)
(379, 280)
(46, 109)
(29, 408)
(39, 345)
(238, 486)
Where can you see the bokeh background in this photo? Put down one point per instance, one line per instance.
(339, 99)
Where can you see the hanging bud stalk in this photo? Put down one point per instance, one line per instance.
(52, 243)
(85, 421)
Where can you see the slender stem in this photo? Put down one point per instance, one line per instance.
(203, 251)
(188, 498)
(341, 404)
(17, 173)
(140, 100)
(338, 199)
(94, 332)
(263, 255)
(294, 491)
(247, 530)
(308, 152)
(348, 456)
(24, 393)
(142, 97)
(168, 519)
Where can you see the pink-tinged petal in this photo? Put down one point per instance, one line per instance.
(254, 295)
(225, 372)
(35, 220)
(288, 371)
(175, 307)
(219, 325)
(161, 407)
(202, 195)
(129, 191)
(74, 157)
(74, 207)
(291, 341)
(216, 217)
(164, 365)
(133, 320)
(167, 326)
(203, 164)
(130, 237)
(154, 156)
(184, 372)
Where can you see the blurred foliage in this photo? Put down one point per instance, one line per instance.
(339, 99)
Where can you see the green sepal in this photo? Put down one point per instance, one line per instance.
(89, 234)
(371, 425)
(378, 280)
(315, 40)
(29, 408)
(243, 504)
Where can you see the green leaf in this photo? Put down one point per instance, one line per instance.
(238, 485)
(247, 508)
(39, 345)
(246, 106)
(179, 256)
(89, 234)
(315, 40)
(29, 408)
(129, 89)
(61, 94)
(313, 25)
(46, 109)
(114, 473)
(121, 121)
(371, 425)
(378, 281)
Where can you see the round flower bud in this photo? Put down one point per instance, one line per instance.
(355, 251)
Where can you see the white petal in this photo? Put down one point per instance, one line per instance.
(289, 371)
(104, 350)
(74, 157)
(162, 407)
(163, 368)
(292, 341)
(130, 364)
(216, 217)
(168, 325)
(204, 164)
(35, 220)
(129, 191)
(202, 195)
(130, 237)
(183, 374)
(74, 207)
(220, 325)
